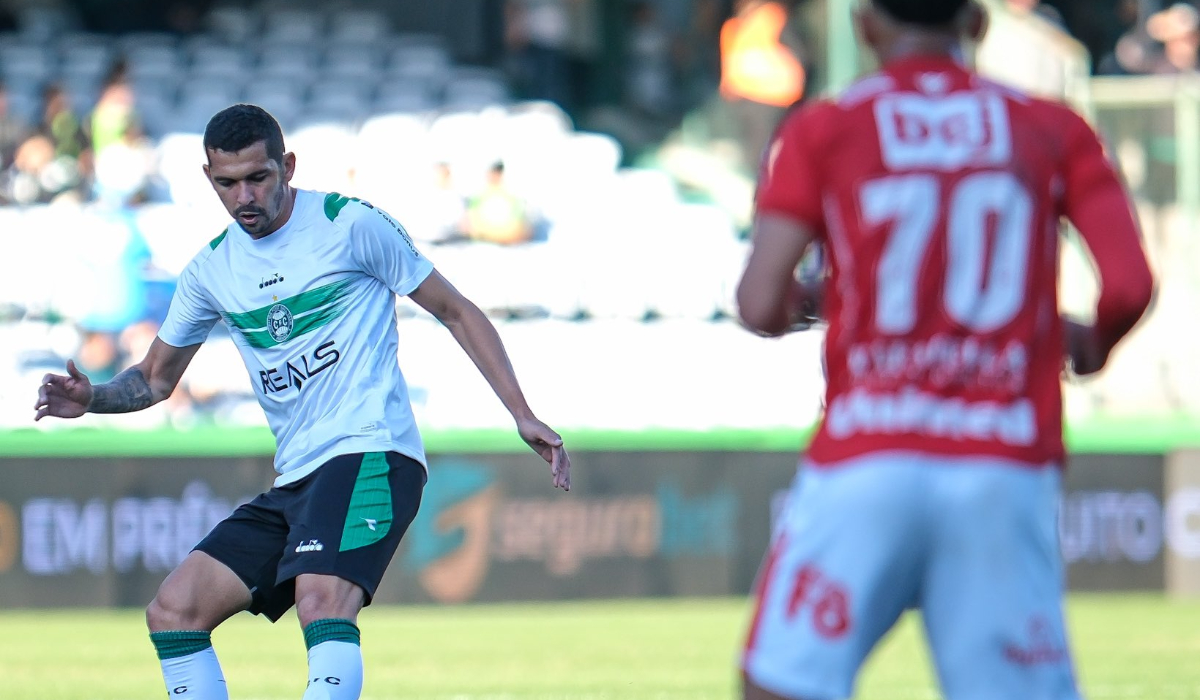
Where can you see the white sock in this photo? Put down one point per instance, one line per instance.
(190, 676)
(335, 671)
(335, 667)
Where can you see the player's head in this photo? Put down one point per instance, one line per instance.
(890, 27)
(248, 167)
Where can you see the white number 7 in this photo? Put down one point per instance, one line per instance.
(981, 299)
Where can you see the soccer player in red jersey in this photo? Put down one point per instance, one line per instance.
(933, 480)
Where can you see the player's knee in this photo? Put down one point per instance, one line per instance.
(169, 611)
(322, 603)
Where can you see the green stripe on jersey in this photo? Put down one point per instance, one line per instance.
(217, 241)
(370, 514)
(335, 203)
(280, 321)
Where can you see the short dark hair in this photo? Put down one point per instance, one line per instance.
(242, 126)
(923, 12)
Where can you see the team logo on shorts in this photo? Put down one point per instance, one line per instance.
(280, 323)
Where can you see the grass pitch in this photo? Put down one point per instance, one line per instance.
(1127, 647)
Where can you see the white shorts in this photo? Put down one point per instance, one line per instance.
(972, 543)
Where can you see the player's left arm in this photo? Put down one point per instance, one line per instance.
(384, 250)
(788, 217)
(479, 339)
(1097, 202)
(770, 299)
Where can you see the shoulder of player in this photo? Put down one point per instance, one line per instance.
(810, 118)
(206, 253)
(828, 112)
(343, 210)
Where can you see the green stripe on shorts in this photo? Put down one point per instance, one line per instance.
(370, 514)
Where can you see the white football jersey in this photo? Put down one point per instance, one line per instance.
(312, 310)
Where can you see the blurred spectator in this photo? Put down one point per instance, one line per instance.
(537, 35)
(496, 214)
(1135, 51)
(440, 218)
(1026, 50)
(99, 356)
(53, 162)
(650, 79)
(61, 124)
(124, 167)
(1177, 28)
(114, 111)
(698, 54)
(760, 76)
(585, 47)
(13, 131)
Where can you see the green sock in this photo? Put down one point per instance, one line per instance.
(189, 665)
(331, 630)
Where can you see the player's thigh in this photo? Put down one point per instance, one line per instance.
(351, 519)
(250, 544)
(199, 594)
(993, 587)
(843, 565)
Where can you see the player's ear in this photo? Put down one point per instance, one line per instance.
(207, 174)
(974, 21)
(289, 166)
(866, 25)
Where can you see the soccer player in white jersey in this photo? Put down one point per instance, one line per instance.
(933, 478)
(306, 282)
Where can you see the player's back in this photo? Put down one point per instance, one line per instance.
(940, 195)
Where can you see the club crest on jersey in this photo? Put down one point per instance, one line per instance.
(280, 323)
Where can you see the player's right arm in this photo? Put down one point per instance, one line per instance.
(1097, 203)
(188, 322)
(141, 386)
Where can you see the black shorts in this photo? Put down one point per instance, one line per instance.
(345, 519)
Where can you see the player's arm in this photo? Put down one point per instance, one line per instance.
(141, 386)
(770, 299)
(479, 339)
(384, 250)
(788, 215)
(1097, 203)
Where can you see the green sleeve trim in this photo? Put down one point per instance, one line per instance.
(172, 645)
(217, 241)
(369, 517)
(335, 203)
(331, 630)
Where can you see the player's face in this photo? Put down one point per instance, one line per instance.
(252, 186)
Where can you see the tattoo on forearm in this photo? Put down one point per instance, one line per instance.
(127, 392)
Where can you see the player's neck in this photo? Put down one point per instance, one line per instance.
(285, 214)
(922, 45)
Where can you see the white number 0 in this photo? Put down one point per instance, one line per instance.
(982, 300)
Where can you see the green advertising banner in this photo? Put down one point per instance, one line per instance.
(105, 531)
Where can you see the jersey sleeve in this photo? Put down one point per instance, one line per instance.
(384, 250)
(1096, 202)
(789, 182)
(192, 314)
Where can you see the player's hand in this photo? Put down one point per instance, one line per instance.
(804, 301)
(549, 445)
(1082, 348)
(64, 397)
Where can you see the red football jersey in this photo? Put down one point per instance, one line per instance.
(938, 195)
